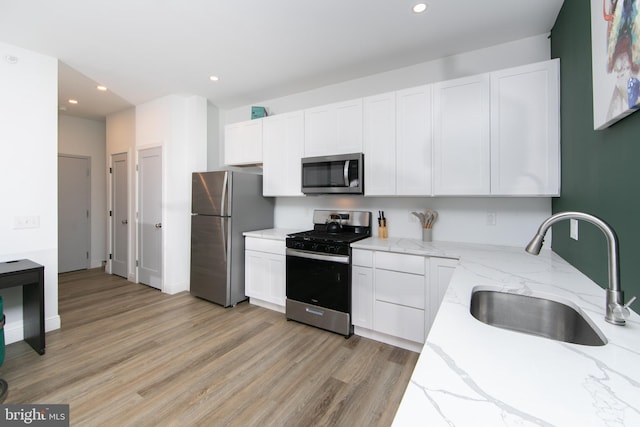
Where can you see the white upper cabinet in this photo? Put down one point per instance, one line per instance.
(462, 137)
(282, 145)
(243, 143)
(333, 129)
(499, 133)
(380, 145)
(397, 143)
(491, 134)
(525, 130)
(414, 141)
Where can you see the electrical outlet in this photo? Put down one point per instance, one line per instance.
(573, 229)
(491, 218)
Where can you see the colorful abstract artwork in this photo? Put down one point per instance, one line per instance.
(615, 56)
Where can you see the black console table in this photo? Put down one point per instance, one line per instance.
(30, 276)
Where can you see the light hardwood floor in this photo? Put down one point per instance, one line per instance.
(129, 355)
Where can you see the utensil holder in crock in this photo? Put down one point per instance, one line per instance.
(427, 235)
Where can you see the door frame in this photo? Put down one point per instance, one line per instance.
(90, 207)
(111, 217)
(137, 245)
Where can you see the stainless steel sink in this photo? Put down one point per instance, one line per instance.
(534, 315)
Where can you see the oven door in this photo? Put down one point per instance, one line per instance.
(319, 279)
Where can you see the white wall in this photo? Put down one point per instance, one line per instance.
(121, 131)
(84, 137)
(121, 138)
(461, 219)
(213, 136)
(520, 52)
(179, 125)
(29, 174)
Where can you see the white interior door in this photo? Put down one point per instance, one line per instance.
(119, 215)
(74, 207)
(150, 217)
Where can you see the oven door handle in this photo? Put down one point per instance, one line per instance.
(343, 259)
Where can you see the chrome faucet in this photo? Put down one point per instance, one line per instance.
(616, 310)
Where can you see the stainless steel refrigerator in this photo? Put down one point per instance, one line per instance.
(224, 204)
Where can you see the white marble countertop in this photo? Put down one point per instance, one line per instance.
(414, 247)
(271, 233)
(473, 374)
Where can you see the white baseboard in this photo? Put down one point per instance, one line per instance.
(52, 323)
(14, 331)
(266, 304)
(389, 339)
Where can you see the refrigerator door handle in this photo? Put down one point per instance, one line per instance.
(223, 236)
(225, 184)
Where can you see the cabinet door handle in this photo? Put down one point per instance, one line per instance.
(125, 221)
(158, 225)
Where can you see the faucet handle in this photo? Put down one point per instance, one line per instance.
(628, 304)
(621, 312)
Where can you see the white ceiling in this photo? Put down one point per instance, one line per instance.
(260, 49)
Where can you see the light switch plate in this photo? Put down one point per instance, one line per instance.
(27, 221)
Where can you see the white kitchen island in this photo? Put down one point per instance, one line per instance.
(473, 374)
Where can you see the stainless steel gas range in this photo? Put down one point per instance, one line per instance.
(318, 267)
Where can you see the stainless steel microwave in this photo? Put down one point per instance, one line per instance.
(339, 174)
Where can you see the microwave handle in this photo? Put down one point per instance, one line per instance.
(346, 173)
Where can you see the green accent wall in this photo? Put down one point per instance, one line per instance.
(600, 169)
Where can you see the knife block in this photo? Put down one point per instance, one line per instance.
(382, 232)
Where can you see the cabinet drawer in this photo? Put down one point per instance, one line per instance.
(400, 262)
(400, 288)
(362, 258)
(265, 245)
(399, 321)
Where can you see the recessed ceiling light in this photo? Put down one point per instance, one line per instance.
(73, 101)
(419, 8)
(101, 88)
(214, 78)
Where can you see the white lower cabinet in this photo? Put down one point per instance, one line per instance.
(362, 296)
(395, 296)
(265, 279)
(399, 321)
(440, 272)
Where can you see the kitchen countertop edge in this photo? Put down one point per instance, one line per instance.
(271, 233)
